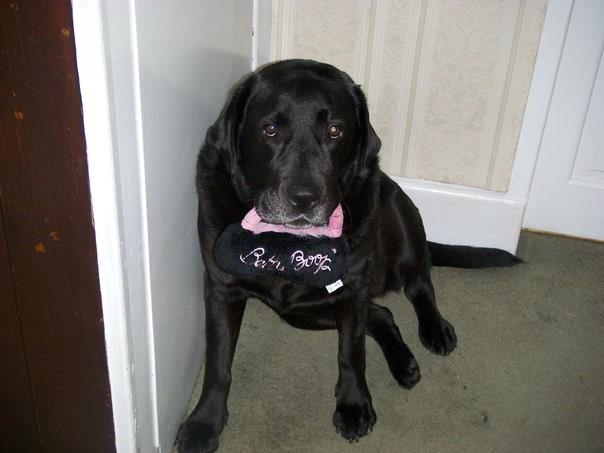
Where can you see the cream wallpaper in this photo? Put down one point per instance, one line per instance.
(447, 80)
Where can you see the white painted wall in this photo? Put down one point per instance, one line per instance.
(189, 54)
(153, 76)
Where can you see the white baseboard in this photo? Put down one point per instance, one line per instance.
(465, 215)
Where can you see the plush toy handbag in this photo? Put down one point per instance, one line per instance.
(312, 256)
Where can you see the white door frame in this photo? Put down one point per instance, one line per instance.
(105, 36)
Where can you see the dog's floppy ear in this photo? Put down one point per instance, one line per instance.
(224, 133)
(368, 142)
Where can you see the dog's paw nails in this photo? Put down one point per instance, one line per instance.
(438, 335)
(407, 375)
(196, 437)
(354, 421)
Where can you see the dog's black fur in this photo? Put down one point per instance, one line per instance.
(294, 140)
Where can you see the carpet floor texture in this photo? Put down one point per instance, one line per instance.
(527, 374)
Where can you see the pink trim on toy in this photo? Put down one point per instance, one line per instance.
(333, 229)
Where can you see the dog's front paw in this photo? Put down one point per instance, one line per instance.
(437, 335)
(196, 437)
(353, 421)
(406, 374)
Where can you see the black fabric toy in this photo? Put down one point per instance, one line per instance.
(313, 256)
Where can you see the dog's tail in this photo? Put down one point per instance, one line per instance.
(470, 257)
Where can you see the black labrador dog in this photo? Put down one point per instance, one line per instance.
(294, 140)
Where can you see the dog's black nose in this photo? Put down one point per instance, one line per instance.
(302, 197)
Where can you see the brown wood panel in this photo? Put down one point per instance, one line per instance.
(18, 431)
(49, 228)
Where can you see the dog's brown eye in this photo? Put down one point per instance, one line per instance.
(269, 130)
(335, 131)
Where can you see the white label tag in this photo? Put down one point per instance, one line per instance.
(334, 286)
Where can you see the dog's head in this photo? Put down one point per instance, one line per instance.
(298, 135)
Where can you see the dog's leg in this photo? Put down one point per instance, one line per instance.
(354, 414)
(199, 433)
(399, 357)
(435, 332)
(381, 327)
